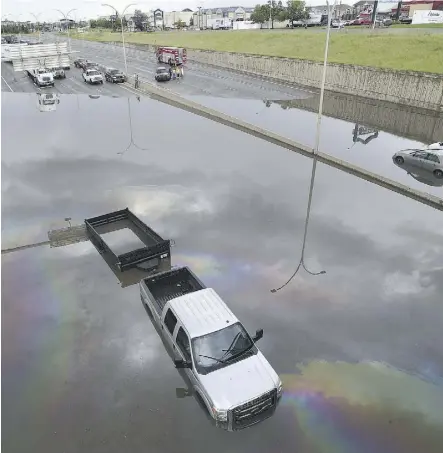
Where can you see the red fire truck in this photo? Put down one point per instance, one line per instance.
(171, 55)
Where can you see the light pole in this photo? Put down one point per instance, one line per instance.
(270, 14)
(36, 16)
(123, 35)
(374, 14)
(301, 263)
(66, 17)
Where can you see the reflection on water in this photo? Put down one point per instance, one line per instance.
(365, 408)
(357, 132)
(420, 174)
(416, 124)
(364, 134)
(47, 102)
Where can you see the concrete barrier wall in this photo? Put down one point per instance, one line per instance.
(408, 88)
(414, 89)
(169, 97)
(417, 124)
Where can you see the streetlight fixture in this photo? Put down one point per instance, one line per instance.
(123, 35)
(66, 17)
(301, 263)
(36, 16)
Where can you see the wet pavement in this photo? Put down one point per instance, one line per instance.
(362, 132)
(358, 349)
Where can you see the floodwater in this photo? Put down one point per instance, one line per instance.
(358, 349)
(348, 139)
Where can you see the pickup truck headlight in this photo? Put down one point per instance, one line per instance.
(279, 388)
(220, 414)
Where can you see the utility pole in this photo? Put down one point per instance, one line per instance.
(123, 35)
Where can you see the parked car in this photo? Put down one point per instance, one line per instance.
(337, 23)
(92, 76)
(405, 20)
(114, 75)
(383, 22)
(162, 74)
(85, 64)
(79, 61)
(90, 65)
(428, 159)
(58, 73)
(438, 146)
(421, 175)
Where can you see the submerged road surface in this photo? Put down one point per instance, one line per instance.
(355, 131)
(359, 132)
(83, 369)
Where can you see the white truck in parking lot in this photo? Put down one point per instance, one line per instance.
(42, 77)
(92, 76)
(229, 375)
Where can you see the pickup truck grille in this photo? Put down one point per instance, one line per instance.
(253, 411)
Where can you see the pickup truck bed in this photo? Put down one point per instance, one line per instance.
(163, 287)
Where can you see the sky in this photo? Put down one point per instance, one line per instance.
(45, 9)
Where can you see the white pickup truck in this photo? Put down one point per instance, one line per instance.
(42, 77)
(92, 76)
(228, 373)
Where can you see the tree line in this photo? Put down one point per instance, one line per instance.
(114, 23)
(16, 29)
(276, 11)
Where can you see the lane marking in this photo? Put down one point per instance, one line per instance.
(7, 84)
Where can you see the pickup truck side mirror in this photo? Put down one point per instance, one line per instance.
(182, 364)
(258, 335)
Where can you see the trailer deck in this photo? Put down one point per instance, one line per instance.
(147, 257)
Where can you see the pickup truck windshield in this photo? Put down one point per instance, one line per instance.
(219, 349)
(93, 73)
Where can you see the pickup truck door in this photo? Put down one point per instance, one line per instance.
(167, 325)
(182, 347)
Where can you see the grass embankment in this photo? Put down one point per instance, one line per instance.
(402, 51)
(416, 26)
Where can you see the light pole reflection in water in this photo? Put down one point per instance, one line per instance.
(131, 141)
(301, 263)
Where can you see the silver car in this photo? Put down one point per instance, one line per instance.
(428, 159)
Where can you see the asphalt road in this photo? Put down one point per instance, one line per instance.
(198, 80)
(83, 369)
(20, 82)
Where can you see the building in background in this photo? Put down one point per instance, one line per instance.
(206, 18)
(339, 11)
(173, 18)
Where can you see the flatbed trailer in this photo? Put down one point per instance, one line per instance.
(147, 258)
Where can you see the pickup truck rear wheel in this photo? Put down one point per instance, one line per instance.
(438, 173)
